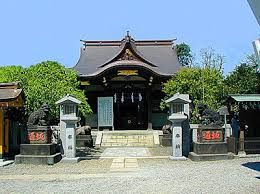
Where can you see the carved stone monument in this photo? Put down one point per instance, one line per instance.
(179, 112)
(68, 120)
(40, 150)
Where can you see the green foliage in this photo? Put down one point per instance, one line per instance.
(204, 85)
(184, 54)
(204, 82)
(46, 82)
(244, 79)
(11, 73)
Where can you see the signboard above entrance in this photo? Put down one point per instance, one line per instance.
(127, 72)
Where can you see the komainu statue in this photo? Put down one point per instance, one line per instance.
(84, 130)
(209, 117)
(166, 129)
(39, 117)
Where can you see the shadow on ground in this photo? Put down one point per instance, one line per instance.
(89, 152)
(252, 165)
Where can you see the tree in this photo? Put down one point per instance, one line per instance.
(46, 82)
(211, 59)
(12, 74)
(184, 54)
(244, 79)
(204, 82)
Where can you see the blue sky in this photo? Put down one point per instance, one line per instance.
(36, 30)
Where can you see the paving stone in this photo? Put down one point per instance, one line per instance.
(116, 160)
(126, 152)
(117, 165)
(130, 160)
(131, 165)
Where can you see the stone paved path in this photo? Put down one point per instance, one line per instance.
(126, 152)
(124, 164)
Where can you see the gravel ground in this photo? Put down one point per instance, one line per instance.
(161, 151)
(152, 176)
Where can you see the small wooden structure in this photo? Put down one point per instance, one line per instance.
(246, 127)
(11, 111)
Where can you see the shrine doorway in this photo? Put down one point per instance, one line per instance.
(130, 109)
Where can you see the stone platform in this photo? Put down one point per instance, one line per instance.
(126, 152)
(131, 138)
(210, 151)
(38, 154)
(210, 157)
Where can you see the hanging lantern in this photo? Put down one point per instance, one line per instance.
(140, 97)
(115, 98)
(122, 97)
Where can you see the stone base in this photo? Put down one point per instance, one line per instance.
(166, 140)
(84, 141)
(210, 148)
(241, 154)
(38, 159)
(37, 149)
(178, 158)
(70, 160)
(210, 157)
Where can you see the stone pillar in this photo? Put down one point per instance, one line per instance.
(242, 143)
(177, 138)
(70, 138)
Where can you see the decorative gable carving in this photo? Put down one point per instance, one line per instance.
(128, 55)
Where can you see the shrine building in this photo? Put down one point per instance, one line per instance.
(123, 81)
(12, 131)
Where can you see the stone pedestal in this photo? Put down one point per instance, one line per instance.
(70, 150)
(40, 150)
(39, 135)
(84, 141)
(177, 140)
(166, 140)
(210, 145)
(38, 154)
(177, 146)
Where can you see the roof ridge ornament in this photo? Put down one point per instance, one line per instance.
(127, 37)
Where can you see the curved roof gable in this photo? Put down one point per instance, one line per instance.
(158, 55)
(128, 51)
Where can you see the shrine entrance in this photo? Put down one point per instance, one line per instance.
(130, 110)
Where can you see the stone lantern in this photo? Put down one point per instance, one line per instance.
(179, 112)
(68, 120)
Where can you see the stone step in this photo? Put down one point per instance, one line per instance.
(133, 140)
(128, 137)
(126, 145)
(127, 140)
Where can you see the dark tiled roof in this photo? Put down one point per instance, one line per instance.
(9, 94)
(158, 55)
(9, 91)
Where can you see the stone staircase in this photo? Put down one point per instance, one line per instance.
(129, 139)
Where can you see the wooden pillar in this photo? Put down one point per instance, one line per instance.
(1, 133)
(6, 134)
(149, 109)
